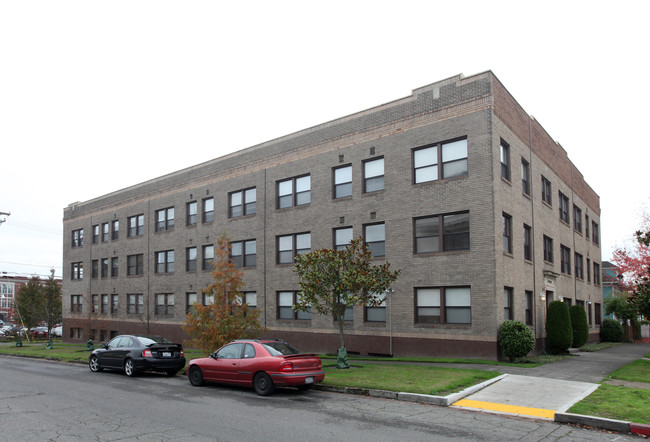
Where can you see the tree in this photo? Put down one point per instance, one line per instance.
(333, 280)
(559, 334)
(579, 325)
(228, 317)
(29, 303)
(52, 308)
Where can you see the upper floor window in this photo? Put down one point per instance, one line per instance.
(105, 232)
(507, 232)
(191, 298)
(548, 249)
(505, 160)
(291, 245)
(525, 177)
(375, 237)
(208, 210)
(136, 225)
(508, 312)
(243, 202)
(579, 265)
(243, 253)
(528, 247)
(342, 181)
(294, 191)
(373, 175)
(594, 233)
(78, 238)
(165, 219)
(208, 257)
(286, 301)
(96, 234)
(342, 237)
(453, 229)
(190, 259)
(596, 273)
(76, 303)
(563, 204)
(114, 266)
(115, 303)
(546, 191)
(164, 304)
(104, 267)
(134, 265)
(165, 261)
(77, 270)
(440, 161)
(115, 230)
(135, 303)
(565, 259)
(577, 219)
(191, 216)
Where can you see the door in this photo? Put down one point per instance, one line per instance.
(224, 365)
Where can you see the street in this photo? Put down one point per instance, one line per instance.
(44, 400)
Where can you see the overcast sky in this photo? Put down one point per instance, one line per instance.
(98, 96)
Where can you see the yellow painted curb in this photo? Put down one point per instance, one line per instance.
(513, 409)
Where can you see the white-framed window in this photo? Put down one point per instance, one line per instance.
(289, 246)
(242, 203)
(294, 191)
(244, 253)
(373, 175)
(440, 161)
(443, 305)
(286, 301)
(375, 237)
(342, 181)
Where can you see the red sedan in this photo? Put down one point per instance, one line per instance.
(261, 364)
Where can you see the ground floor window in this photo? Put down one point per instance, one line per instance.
(377, 313)
(286, 301)
(443, 305)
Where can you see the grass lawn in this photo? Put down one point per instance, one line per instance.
(439, 381)
(637, 371)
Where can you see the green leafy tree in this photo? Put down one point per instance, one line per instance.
(228, 317)
(52, 305)
(30, 304)
(559, 334)
(620, 306)
(333, 280)
(579, 325)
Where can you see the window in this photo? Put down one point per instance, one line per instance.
(507, 233)
(375, 236)
(373, 175)
(104, 267)
(76, 305)
(114, 267)
(190, 259)
(291, 245)
(597, 314)
(529, 307)
(525, 177)
(596, 273)
(588, 270)
(452, 228)
(342, 181)
(243, 253)
(165, 261)
(505, 160)
(115, 230)
(95, 233)
(243, 202)
(563, 207)
(443, 305)
(94, 269)
(250, 299)
(191, 213)
(579, 266)
(342, 237)
(135, 303)
(105, 232)
(208, 210)
(208, 257)
(565, 259)
(136, 225)
(190, 299)
(208, 299)
(286, 300)
(577, 219)
(115, 304)
(377, 313)
(104, 306)
(134, 265)
(507, 304)
(546, 191)
(594, 233)
(591, 319)
(77, 270)
(294, 192)
(78, 238)
(528, 248)
(165, 219)
(95, 303)
(426, 164)
(548, 249)
(164, 304)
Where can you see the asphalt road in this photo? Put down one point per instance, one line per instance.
(42, 400)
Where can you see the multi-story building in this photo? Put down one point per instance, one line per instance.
(456, 185)
(9, 288)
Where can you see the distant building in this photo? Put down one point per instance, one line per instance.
(610, 282)
(456, 185)
(9, 287)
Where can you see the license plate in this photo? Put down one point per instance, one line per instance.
(166, 354)
(309, 380)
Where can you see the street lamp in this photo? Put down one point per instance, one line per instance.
(389, 293)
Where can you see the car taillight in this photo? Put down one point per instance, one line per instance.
(287, 366)
(147, 354)
(182, 354)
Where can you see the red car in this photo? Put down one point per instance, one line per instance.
(261, 364)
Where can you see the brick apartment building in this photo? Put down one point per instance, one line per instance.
(9, 288)
(456, 185)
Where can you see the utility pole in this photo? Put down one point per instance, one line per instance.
(5, 214)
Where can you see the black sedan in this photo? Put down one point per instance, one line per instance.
(135, 353)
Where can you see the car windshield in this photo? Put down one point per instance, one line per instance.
(279, 348)
(150, 340)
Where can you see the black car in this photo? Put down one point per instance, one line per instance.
(135, 353)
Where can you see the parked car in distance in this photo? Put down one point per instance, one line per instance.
(39, 332)
(136, 353)
(261, 364)
(57, 331)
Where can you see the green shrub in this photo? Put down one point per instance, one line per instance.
(559, 334)
(611, 331)
(579, 325)
(516, 339)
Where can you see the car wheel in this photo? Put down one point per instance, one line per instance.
(93, 363)
(263, 384)
(196, 377)
(129, 368)
(172, 372)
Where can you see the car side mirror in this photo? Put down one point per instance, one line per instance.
(214, 355)
(105, 346)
